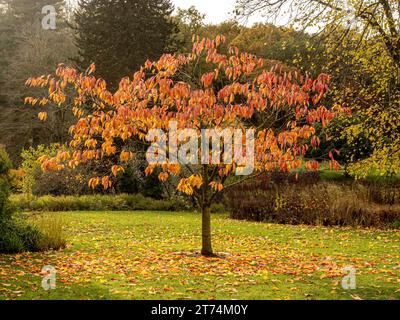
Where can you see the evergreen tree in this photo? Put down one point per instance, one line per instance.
(27, 49)
(120, 35)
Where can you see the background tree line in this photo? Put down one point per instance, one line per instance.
(119, 36)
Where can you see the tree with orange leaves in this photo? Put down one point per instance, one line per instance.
(193, 93)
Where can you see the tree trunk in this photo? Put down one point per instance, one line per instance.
(206, 249)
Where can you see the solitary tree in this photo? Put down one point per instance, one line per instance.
(215, 103)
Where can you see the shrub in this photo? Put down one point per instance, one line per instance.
(5, 162)
(5, 166)
(396, 224)
(134, 181)
(218, 208)
(30, 165)
(6, 209)
(311, 202)
(74, 181)
(16, 179)
(51, 226)
(16, 235)
(65, 182)
(97, 203)
(37, 182)
(383, 191)
(10, 240)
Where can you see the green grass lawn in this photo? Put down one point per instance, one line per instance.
(146, 255)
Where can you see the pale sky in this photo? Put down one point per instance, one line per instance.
(216, 11)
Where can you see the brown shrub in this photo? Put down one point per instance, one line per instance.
(281, 199)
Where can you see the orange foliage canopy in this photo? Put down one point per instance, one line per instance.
(231, 90)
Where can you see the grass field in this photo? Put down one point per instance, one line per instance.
(146, 255)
